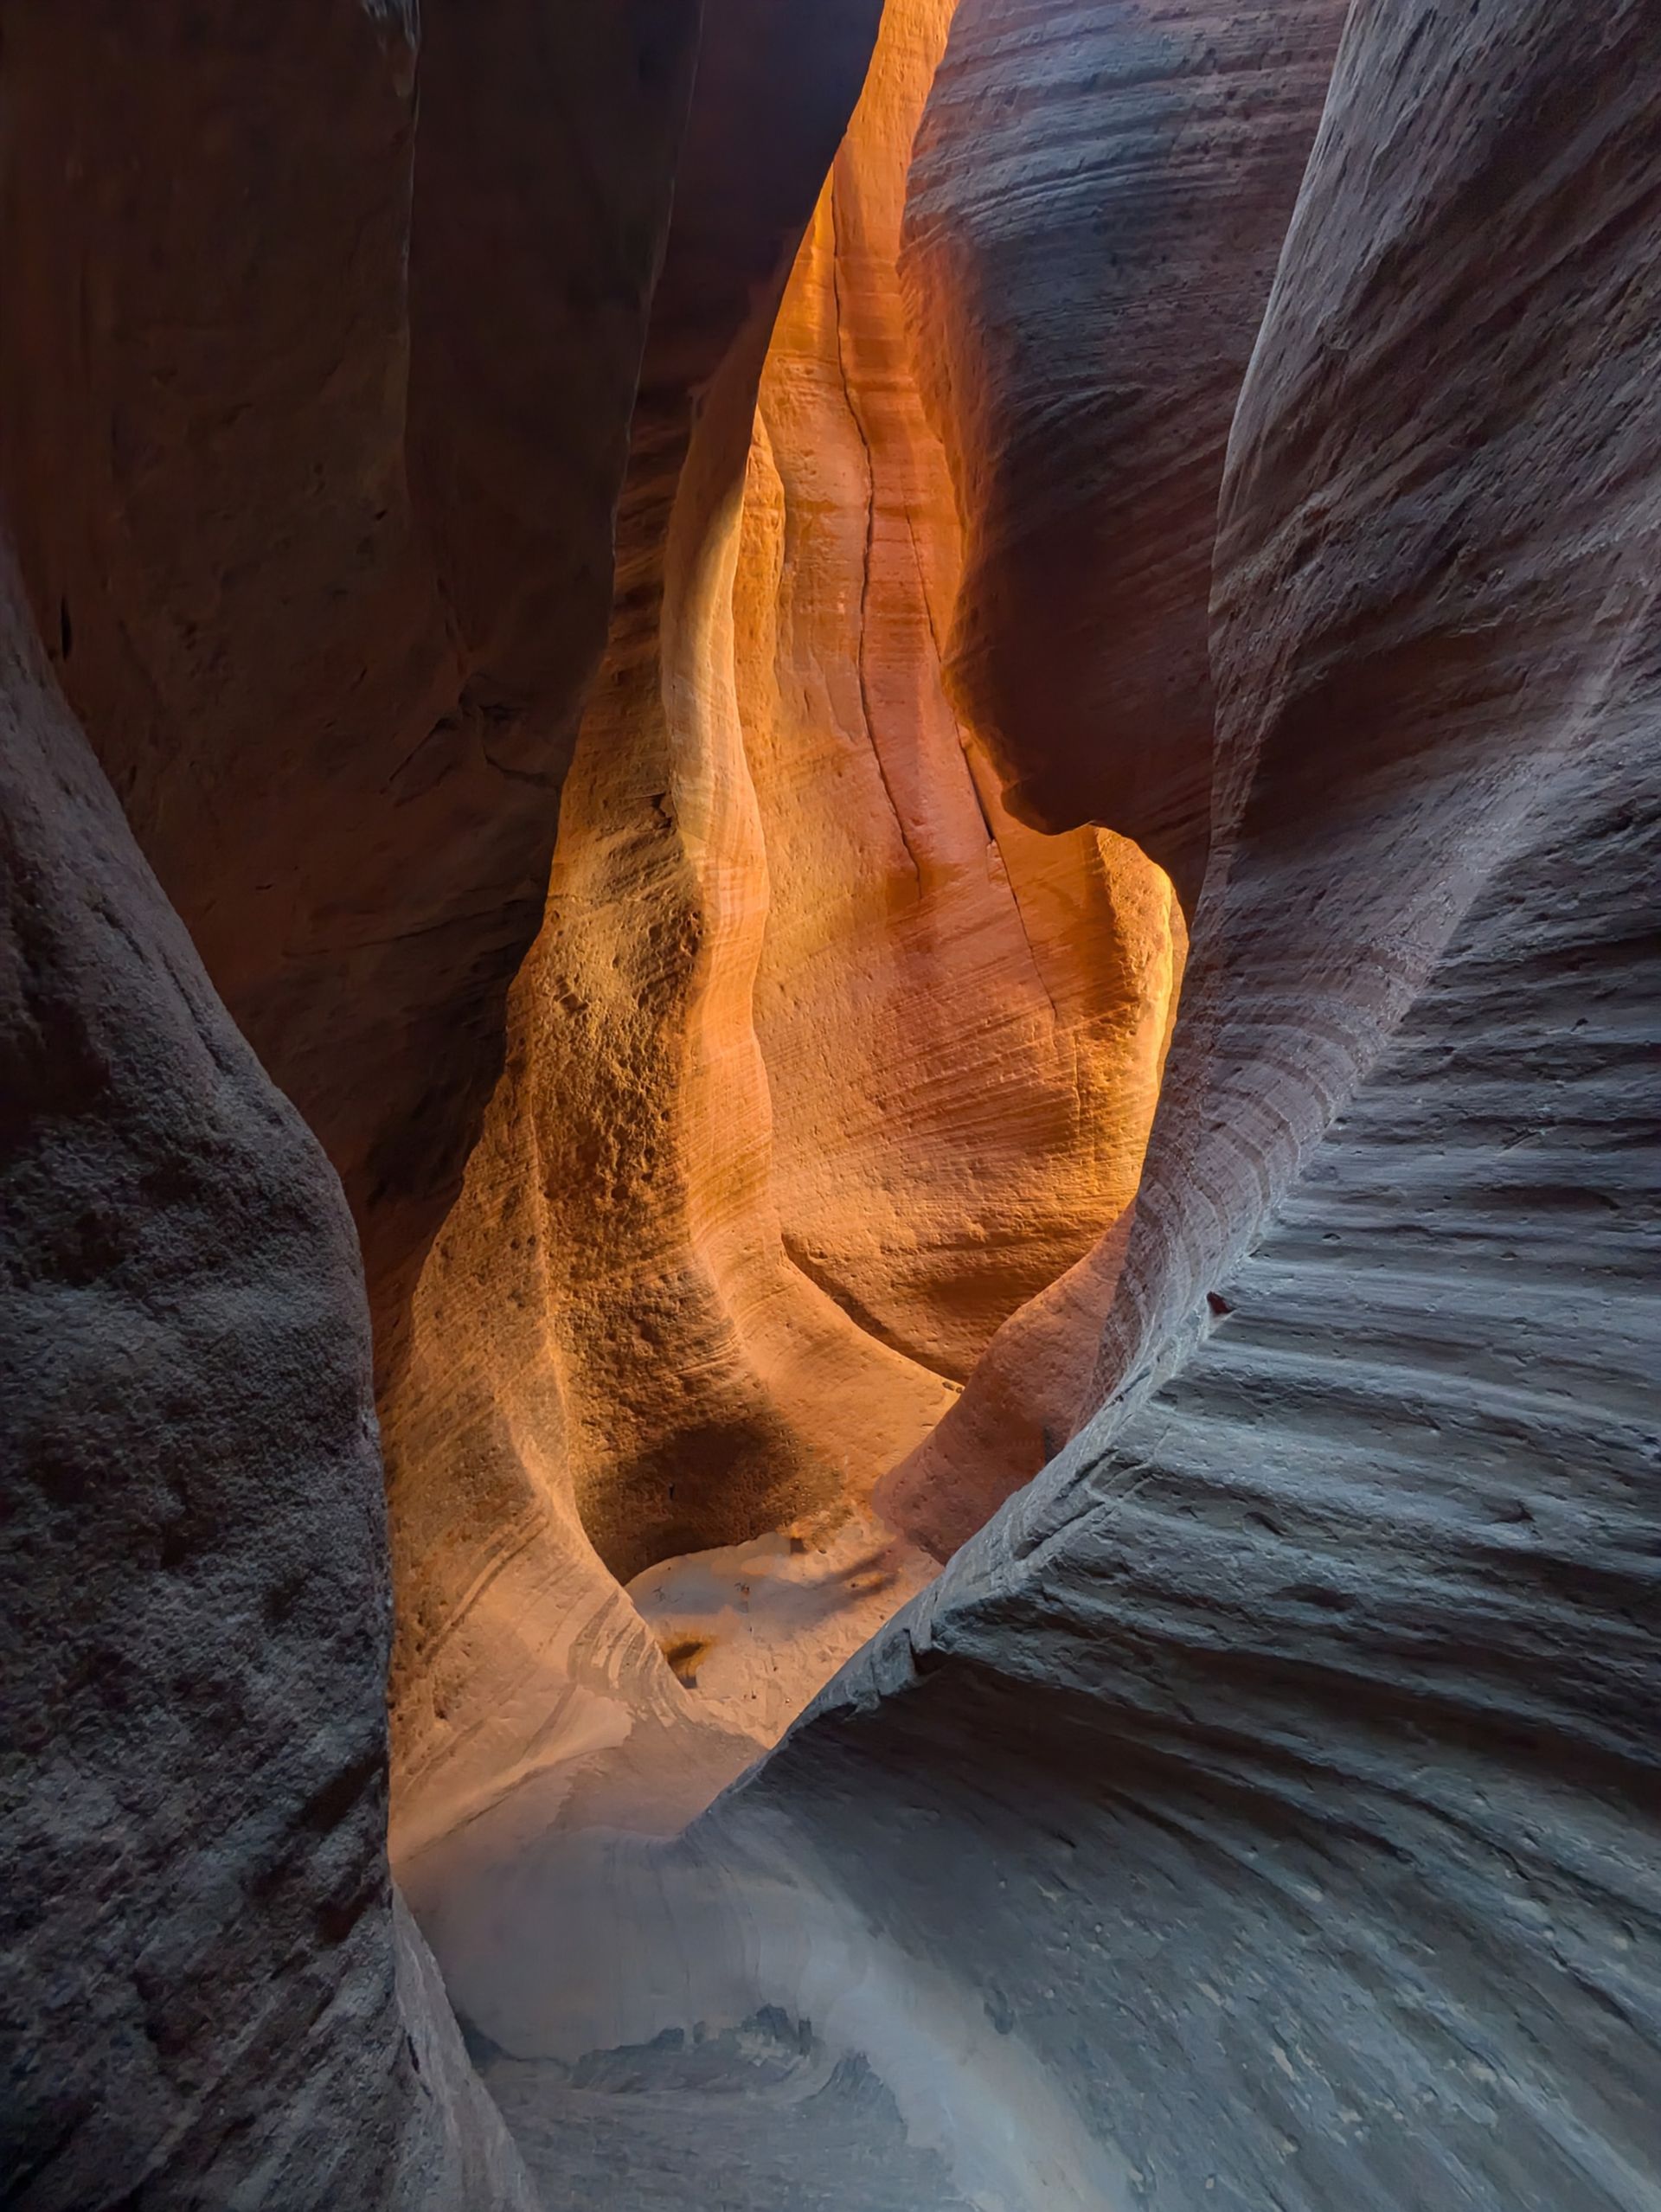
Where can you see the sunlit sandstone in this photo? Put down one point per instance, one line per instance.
(822, 1067)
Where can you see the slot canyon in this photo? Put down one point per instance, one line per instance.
(830, 846)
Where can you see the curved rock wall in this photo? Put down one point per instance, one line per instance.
(208, 1999)
(1098, 202)
(1435, 575)
(1262, 1809)
(1098, 198)
(314, 423)
(569, 1334)
(1288, 1752)
(960, 1020)
(822, 1064)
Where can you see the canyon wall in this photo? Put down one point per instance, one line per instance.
(317, 407)
(1262, 1808)
(822, 1065)
(578, 1385)
(660, 587)
(211, 1996)
(1097, 202)
(1320, 1657)
(961, 1021)
(1097, 205)
(314, 423)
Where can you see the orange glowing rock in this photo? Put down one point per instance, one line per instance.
(822, 1067)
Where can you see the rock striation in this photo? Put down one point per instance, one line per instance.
(579, 1402)
(961, 1022)
(1097, 204)
(802, 559)
(822, 1064)
(1261, 1809)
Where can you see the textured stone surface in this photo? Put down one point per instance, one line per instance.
(822, 1064)
(203, 2002)
(1435, 573)
(1350, 1617)
(960, 1020)
(576, 1376)
(1288, 1753)
(1097, 202)
(754, 2114)
(1098, 198)
(1262, 1809)
(314, 424)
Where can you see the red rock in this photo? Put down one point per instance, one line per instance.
(314, 424)
(822, 1065)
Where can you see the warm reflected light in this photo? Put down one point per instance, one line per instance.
(824, 1071)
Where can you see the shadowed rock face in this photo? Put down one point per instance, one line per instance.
(314, 425)
(1288, 1749)
(208, 1999)
(1097, 201)
(1436, 569)
(1098, 198)
(315, 431)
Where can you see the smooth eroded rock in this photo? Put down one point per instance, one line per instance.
(1262, 1808)
(316, 407)
(201, 2003)
(1097, 201)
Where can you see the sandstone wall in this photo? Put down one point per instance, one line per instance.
(822, 1064)
(1262, 1808)
(315, 418)
(578, 1378)
(960, 1020)
(1097, 202)
(205, 2000)
(1321, 1666)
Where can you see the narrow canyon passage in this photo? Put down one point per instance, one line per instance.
(822, 1067)
(830, 1202)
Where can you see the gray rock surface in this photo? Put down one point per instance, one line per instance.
(1097, 199)
(1262, 1811)
(1280, 1767)
(203, 2000)
(756, 2114)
